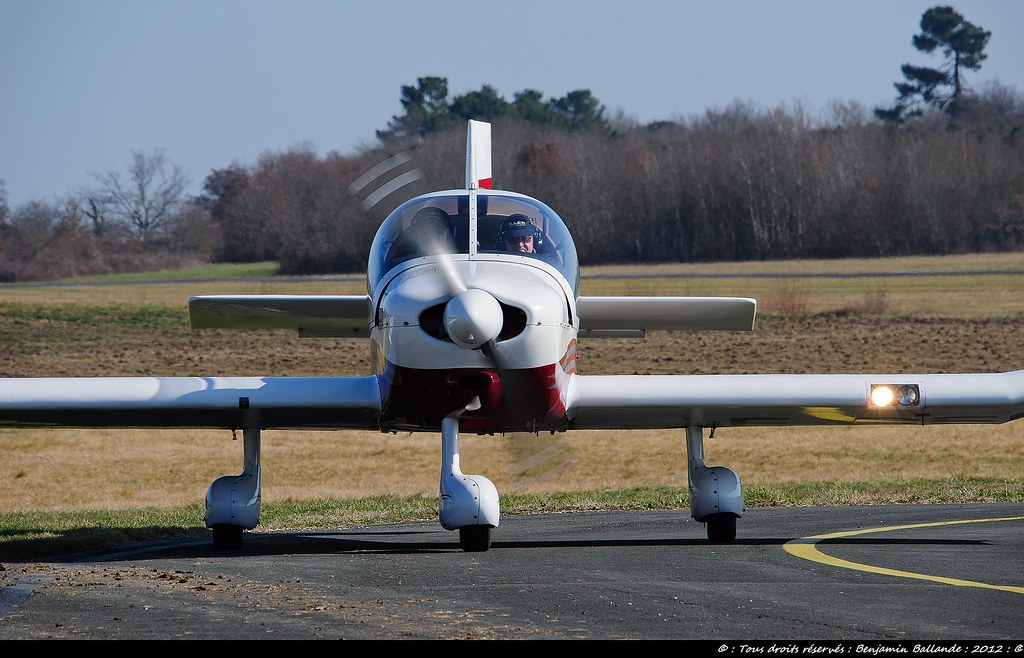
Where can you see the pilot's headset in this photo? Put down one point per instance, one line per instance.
(518, 225)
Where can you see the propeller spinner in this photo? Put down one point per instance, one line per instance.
(473, 318)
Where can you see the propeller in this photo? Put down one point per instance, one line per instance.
(473, 319)
(448, 271)
(390, 175)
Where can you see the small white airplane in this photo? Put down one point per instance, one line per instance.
(473, 313)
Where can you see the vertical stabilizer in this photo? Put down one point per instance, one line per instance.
(478, 155)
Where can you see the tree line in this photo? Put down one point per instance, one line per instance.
(940, 172)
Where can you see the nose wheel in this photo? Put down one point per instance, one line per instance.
(469, 503)
(227, 537)
(475, 538)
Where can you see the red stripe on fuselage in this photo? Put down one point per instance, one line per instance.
(568, 360)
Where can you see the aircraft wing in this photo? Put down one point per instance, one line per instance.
(675, 401)
(311, 315)
(215, 402)
(632, 317)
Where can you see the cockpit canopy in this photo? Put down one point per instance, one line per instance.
(438, 223)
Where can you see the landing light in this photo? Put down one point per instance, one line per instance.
(894, 395)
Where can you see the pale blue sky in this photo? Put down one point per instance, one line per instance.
(83, 83)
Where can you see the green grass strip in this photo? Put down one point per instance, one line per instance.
(142, 315)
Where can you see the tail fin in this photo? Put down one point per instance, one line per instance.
(478, 155)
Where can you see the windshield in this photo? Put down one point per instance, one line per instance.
(507, 224)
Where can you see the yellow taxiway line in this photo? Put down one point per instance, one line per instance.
(807, 549)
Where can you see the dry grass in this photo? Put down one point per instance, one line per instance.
(783, 287)
(922, 324)
(119, 469)
(955, 263)
(917, 296)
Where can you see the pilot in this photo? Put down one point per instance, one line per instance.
(518, 234)
(430, 232)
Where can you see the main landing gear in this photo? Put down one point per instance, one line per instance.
(233, 501)
(469, 503)
(716, 496)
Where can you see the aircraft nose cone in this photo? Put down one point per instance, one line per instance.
(472, 317)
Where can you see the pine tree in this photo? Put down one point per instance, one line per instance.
(962, 45)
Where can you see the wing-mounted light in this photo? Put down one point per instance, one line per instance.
(894, 396)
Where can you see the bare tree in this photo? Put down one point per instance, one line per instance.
(151, 197)
(92, 207)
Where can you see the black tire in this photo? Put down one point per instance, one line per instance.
(227, 537)
(475, 538)
(721, 528)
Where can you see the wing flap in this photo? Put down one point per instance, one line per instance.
(216, 402)
(673, 401)
(311, 315)
(602, 317)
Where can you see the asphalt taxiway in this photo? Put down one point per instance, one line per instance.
(873, 573)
